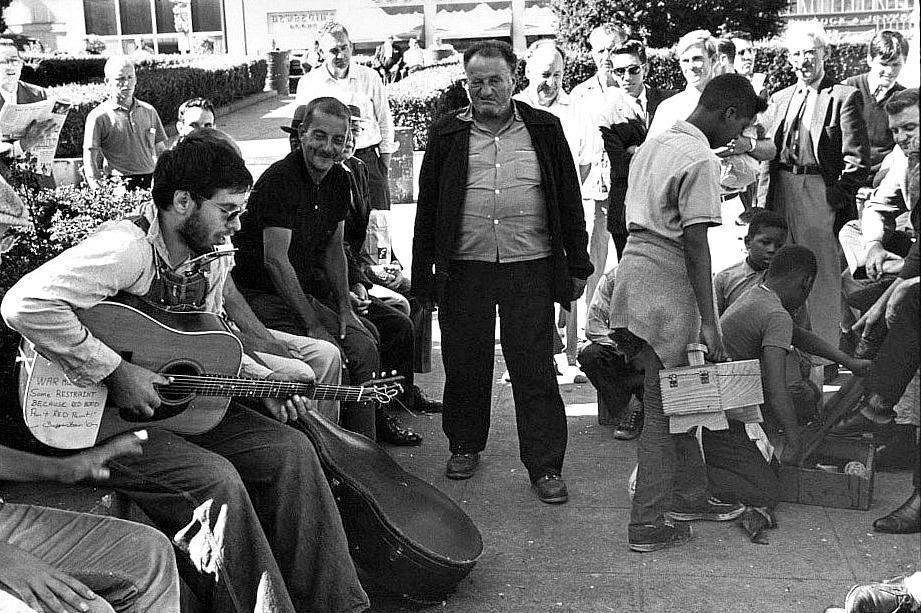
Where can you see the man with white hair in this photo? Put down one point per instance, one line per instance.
(123, 135)
(823, 157)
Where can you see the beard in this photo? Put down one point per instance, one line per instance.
(196, 235)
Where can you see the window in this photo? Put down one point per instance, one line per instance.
(99, 17)
(135, 16)
(206, 15)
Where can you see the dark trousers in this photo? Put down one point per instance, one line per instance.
(736, 470)
(612, 376)
(396, 343)
(617, 215)
(359, 346)
(282, 524)
(897, 360)
(378, 185)
(522, 292)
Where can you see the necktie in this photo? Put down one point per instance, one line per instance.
(792, 142)
(642, 111)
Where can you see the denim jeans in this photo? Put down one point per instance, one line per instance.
(130, 565)
(671, 471)
(467, 315)
(282, 525)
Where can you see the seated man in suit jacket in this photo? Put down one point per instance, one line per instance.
(14, 91)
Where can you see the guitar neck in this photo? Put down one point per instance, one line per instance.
(241, 387)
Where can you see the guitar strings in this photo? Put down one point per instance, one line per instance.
(217, 385)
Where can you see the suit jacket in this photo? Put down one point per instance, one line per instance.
(839, 139)
(442, 193)
(617, 138)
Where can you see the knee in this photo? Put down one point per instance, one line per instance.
(590, 356)
(157, 550)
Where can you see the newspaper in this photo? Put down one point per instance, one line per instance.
(15, 118)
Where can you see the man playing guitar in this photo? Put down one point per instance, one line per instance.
(275, 527)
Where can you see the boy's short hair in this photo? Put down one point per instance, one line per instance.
(792, 261)
(634, 48)
(727, 48)
(766, 219)
(697, 38)
(887, 45)
(732, 90)
(200, 103)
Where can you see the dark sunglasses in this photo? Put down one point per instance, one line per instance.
(632, 70)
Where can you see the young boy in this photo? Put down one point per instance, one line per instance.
(767, 233)
(759, 325)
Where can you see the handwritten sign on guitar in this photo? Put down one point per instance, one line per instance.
(68, 414)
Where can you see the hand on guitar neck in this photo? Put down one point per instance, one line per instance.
(131, 387)
(293, 407)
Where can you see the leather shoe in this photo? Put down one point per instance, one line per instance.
(904, 520)
(462, 465)
(551, 489)
(855, 424)
(887, 597)
(630, 427)
(390, 430)
(424, 404)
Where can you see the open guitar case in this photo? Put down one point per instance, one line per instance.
(406, 537)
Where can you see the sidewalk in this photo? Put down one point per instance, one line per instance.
(574, 557)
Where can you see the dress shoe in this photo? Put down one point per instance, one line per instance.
(887, 597)
(630, 427)
(551, 489)
(904, 520)
(855, 424)
(390, 430)
(424, 404)
(462, 465)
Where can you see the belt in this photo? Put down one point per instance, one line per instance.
(373, 148)
(725, 197)
(808, 169)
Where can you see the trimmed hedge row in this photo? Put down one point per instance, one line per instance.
(165, 87)
(49, 70)
(424, 96)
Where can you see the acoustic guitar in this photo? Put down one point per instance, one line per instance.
(196, 349)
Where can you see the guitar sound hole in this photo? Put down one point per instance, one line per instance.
(173, 402)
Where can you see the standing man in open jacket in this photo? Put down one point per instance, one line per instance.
(499, 223)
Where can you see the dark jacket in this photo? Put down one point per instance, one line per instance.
(876, 118)
(839, 138)
(442, 192)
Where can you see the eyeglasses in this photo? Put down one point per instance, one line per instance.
(230, 214)
(631, 70)
(8, 240)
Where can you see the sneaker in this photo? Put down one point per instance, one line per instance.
(630, 427)
(660, 535)
(711, 510)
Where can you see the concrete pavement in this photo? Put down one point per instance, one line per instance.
(574, 557)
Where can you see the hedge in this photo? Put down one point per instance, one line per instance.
(165, 87)
(424, 96)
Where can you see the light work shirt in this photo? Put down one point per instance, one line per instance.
(504, 218)
(127, 137)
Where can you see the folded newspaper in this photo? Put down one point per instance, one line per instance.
(15, 118)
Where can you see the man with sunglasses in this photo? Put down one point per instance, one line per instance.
(621, 138)
(276, 527)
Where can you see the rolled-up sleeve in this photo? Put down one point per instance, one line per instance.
(43, 305)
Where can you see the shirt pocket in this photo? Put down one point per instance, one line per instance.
(525, 167)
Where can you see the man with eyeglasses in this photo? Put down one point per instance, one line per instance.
(276, 528)
(822, 158)
(123, 135)
(623, 136)
(14, 91)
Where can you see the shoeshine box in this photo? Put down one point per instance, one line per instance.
(707, 388)
(839, 473)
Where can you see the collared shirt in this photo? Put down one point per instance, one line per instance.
(642, 103)
(118, 257)
(673, 183)
(504, 218)
(126, 137)
(732, 282)
(285, 196)
(575, 127)
(602, 106)
(361, 87)
(811, 94)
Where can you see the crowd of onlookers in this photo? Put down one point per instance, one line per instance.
(519, 198)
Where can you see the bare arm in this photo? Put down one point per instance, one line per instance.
(337, 274)
(276, 242)
(93, 160)
(811, 343)
(697, 261)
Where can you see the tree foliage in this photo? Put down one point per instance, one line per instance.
(4, 4)
(662, 22)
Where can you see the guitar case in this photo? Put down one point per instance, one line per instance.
(405, 536)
